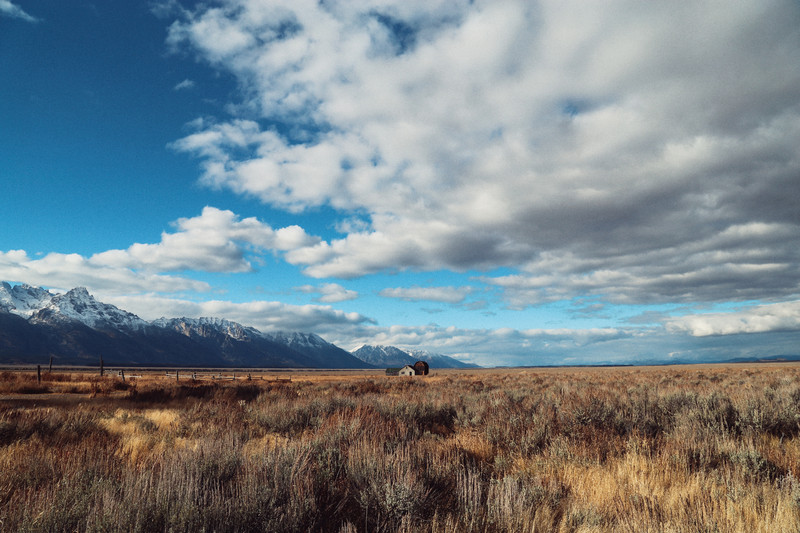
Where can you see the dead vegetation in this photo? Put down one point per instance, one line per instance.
(623, 449)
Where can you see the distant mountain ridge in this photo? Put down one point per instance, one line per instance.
(383, 356)
(391, 356)
(439, 360)
(77, 329)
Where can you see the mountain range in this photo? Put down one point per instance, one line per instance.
(76, 329)
(391, 356)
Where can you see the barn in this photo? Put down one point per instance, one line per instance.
(421, 368)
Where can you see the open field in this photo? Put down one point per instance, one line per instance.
(679, 449)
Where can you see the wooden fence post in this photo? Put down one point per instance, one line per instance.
(101, 366)
(38, 373)
(176, 374)
(122, 373)
(50, 368)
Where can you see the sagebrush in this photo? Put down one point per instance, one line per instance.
(626, 449)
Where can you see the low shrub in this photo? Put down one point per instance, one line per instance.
(563, 450)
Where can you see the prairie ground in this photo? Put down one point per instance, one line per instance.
(639, 449)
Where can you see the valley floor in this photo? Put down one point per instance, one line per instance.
(679, 449)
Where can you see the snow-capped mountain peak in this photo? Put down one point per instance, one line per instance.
(80, 306)
(383, 355)
(440, 360)
(393, 356)
(23, 300)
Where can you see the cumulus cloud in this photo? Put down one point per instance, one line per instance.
(640, 152)
(215, 241)
(783, 316)
(330, 292)
(451, 295)
(9, 9)
(66, 271)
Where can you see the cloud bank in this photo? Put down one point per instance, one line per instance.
(637, 153)
(784, 316)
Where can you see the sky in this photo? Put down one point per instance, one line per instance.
(509, 182)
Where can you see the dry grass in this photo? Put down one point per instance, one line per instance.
(670, 449)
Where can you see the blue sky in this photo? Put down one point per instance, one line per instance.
(508, 182)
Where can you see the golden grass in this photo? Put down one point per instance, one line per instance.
(473, 444)
(650, 449)
(257, 446)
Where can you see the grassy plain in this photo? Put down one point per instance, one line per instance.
(647, 449)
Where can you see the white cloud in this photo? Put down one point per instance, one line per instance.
(215, 241)
(330, 292)
(185, 84)
(783, 316)
(452, 295)
(625, 144)
(9, 9)
(66, 271)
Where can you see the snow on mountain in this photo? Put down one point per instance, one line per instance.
(297, 340)
(76, 328)
(79, 306)
(304, 349)
(233, 343)
(438, 360)
(391, 356)
(323, 353)
(383, 356)
(206, 326)
(23, 300)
